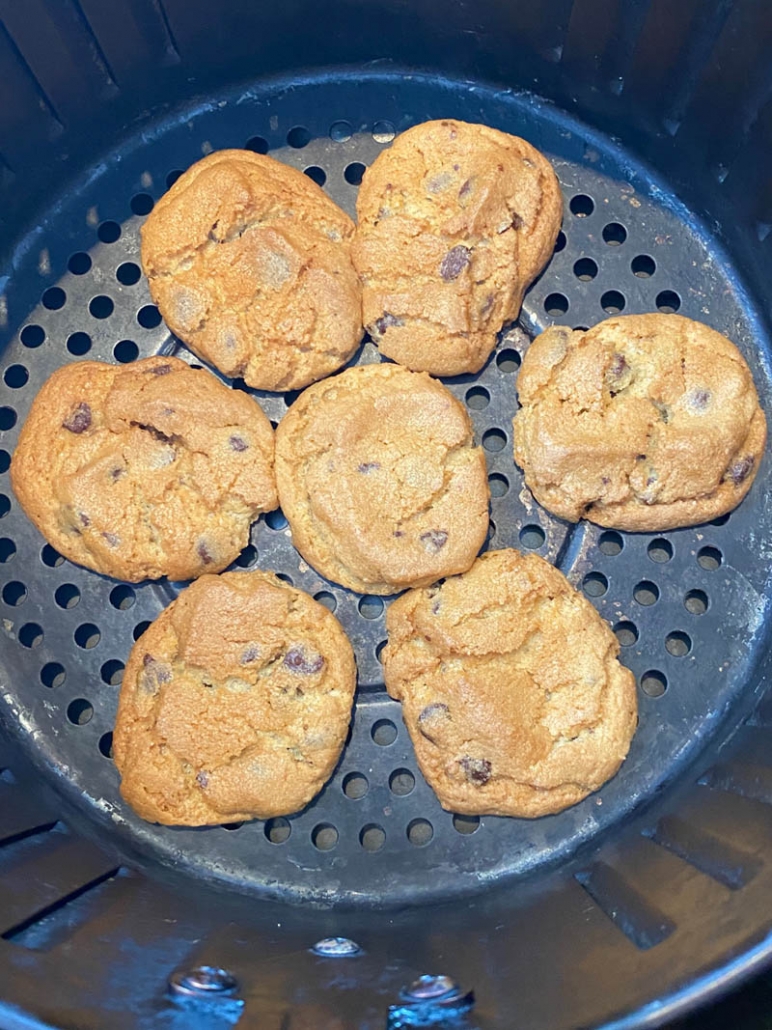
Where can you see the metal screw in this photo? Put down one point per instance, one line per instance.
(431, 988)
(336, 947)
(203, 981)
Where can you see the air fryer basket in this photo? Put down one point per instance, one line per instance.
(622, 911)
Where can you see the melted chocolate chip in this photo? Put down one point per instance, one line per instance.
(386, 321)
(238, 443)
(517, 221)
(154, 674)
(116, 473)
(466, 187)
(487, 306)
(368, 466)
(432, 719)
(204, 554)
(111, 539)
(476, 770)
(699, 400)
(618, 366)
(436, 608)
(160, 370)
(84, 519)
(739, 471)
(78, 420)
(250, 654)
(454, 262)
(399, 532)
(155, 433)
(664, 411)
(303, 663)
(202, 779)
(434, 540)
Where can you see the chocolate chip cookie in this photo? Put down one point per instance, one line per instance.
(148, 470)
(235, 703)
(644, 423)
(249, 263)
(455, 221)
(381, 481)
(510, 688)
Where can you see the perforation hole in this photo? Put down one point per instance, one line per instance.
(7, 549)
(508, 360)
(494, 440)
(79, 343)
(678, 644)
(370, 607)
(128, 273)
(141, 204)
(402, 782)
(298, 137)
(257, 144)
(643, 266)
(50, 557)
(709, 558)
(384, 732)
(67, 595)
(595, 584)
(654, 683)
(5, 461)
(101, 307)
(668, 302)
(721, 520)
(80, 711)
(324, 837)
(109, 232)
(585, 269)
(499, 484)
(355, 786)
(52, 675)
(126, 351)
(112, 672)
(610, 543)
(276, 519)
(173, 176)
(477, 398)
(149, 317)
(231, 827)
(626, 633)
(532, 537)
(420, 832)
(87, 636)
(123, 597)
(660, 550)
(79, 263)
(32, 336)
(354, 172)
(556, 304)
(646, 593)
(14, 593)
(31, 635)
(612, 302)
(383, 132)
(54, 298)
(327, 599)
(248, 557)
(5, 505)
(106, 744)
(466, 824)
(16, 376)
(696, 602)
(614, 234)
(560, 242)
(379, 650)
(7, 418)
(372, 837)
(316, 174)
(278, 830)
(581, 205)
(341, 131)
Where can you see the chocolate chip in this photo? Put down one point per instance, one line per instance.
(84, 519)
(368, 466)
(432, 718)
(154, 674)
(399, 532)
(434, 540)
(112, 539)
(618, 374)
(664, 411)
(238, 443)
(204, 554)
(454, 262)
(160, 370)
(250, 654)
(476, 770)
(302, 662)
(79, 420)
(618, 366)
(202, 779)
(439, 182)
(466, 187)
(386, 321)
(436, 608)
(699, 400)
(739, 471)
(517, 221)
(116, 473)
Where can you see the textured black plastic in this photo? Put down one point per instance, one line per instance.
(689, 607)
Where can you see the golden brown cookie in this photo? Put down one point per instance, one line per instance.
(646, 422)
(510, 688)
(147, 470)
(249, 263)
(381, 481)
(455, 221)
(235, 703)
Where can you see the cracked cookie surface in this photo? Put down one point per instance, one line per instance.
(454, 222)
(235, 703)
(643, 423)
(249, 263)
(510, 688)
(380, 479)
(151, 470)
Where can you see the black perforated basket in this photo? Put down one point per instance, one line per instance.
(624, 910)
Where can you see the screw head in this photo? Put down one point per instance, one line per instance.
(336, 947)
(431, 988)
(203, 981)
